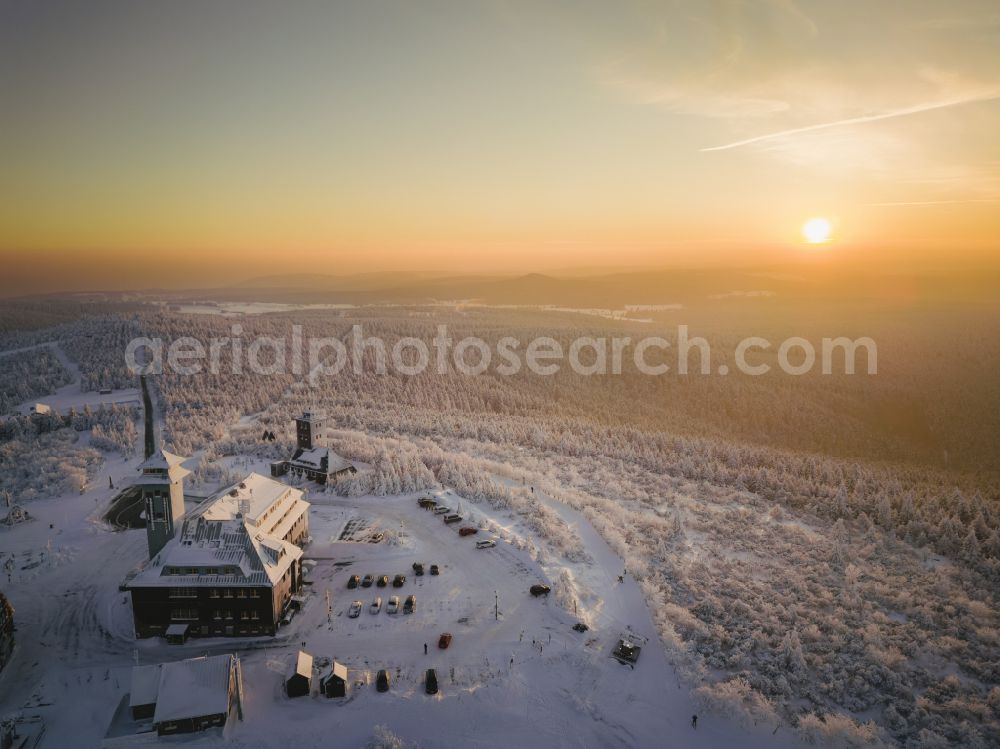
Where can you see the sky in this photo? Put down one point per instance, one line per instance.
(159, 143)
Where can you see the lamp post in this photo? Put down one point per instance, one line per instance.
(496, 605)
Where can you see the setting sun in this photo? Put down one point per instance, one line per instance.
(817, 230)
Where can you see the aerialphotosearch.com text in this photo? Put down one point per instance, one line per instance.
(318, 357)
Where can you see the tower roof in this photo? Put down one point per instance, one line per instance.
(168, 464)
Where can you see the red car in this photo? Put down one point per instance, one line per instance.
(467, 531)
(444, 641)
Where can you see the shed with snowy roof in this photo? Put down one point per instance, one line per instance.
(299, 682)
(334, 684)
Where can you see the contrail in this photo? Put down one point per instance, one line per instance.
(988, 95)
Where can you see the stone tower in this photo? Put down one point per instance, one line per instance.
(308, 428)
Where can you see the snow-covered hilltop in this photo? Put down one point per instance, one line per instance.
(783, 596)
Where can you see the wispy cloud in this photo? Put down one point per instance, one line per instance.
(988, 94)
(907, 203)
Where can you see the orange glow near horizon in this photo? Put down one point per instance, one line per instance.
(145, 153)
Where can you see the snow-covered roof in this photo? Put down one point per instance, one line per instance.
(164, 466)
(161, 459)
(319, 459)
(304, 665)
(339, 670)
(145, 684)
(312, 458)
(337, 463)
(259, 499)
(194, 687)
(231, 540)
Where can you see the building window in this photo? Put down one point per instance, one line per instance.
(254, 593)
(229, 613)
(255, 615)
(244, 615)
(241, 593)
(183, 592)
(227, 593)
(217, 614)
(213, 593)
(184, 615)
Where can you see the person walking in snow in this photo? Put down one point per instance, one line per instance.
(425, 648)
(694, 721)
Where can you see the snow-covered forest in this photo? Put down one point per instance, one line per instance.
(44, 455)
(28, 375)
(804, 555)
(823, 550)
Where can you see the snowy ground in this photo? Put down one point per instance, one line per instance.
(75, 645)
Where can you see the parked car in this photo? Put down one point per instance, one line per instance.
(435, 570)
(442, 510)
(486, 543)
(453, 518)
(376, 605)
(354, 581)
(444, 640)
(382, 581)
(539, 590)
(410, 605)
(467, 531)
(382, 681)
(398, 581)
(426, 502)
(367, 582)
(355, 611)
(393, 606)
(418, 569)
(431, 681)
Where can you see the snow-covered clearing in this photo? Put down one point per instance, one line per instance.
(70, 396)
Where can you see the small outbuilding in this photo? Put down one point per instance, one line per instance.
(334, 684)
(299, 682)
(195, 694)
(177, 634)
